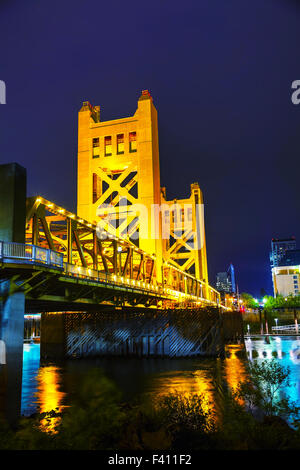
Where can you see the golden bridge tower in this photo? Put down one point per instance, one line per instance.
(183, 231)
(118, 167)
(119, 185)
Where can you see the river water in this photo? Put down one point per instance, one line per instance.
(53, 385)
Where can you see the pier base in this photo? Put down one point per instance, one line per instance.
(12, 300)
(141, 333)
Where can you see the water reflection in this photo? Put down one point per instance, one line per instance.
(286, 350)
(53, 386)
(49, 395)
(234, 368)
(41, 387)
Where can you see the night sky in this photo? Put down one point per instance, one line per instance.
(220, 74)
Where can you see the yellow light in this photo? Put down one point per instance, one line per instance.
(49, 396)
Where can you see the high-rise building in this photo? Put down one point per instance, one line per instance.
(231, 276)
(279, 247)
(290, 258)
(223, 283)
(226, 281)
(285, 261)
(286, 280)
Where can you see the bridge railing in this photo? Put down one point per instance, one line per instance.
(88, 273)
(284, 328)
(19, 252)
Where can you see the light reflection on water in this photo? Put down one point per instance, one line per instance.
(52, 386)
(286, 350)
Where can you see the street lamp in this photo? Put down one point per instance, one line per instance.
(276, 321)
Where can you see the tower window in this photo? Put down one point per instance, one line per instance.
(108, 146)
(96, 148)
(132, 141)
(120, 143)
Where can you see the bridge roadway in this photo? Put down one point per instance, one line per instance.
(50, 284)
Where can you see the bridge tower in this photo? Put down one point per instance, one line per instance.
(118, 167)
(119, 172)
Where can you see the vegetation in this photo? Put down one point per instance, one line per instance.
(249, 300)
(249, 418)
(281, 302)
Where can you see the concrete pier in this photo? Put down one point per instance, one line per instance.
(12, 301)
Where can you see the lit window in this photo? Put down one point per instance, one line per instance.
(120, 143)
(96, 148)
(108, 146)
(132, 141)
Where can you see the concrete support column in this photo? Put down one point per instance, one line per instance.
(53, 339)
(12, 337)
(12, 301)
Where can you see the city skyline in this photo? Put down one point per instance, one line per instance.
(237, 135)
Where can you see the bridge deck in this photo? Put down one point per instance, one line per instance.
(46, 278)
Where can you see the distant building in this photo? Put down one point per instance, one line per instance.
(286, 280)
(231, 276)
(291, 258)
(279, 247)
(226, 281)
(223, 283)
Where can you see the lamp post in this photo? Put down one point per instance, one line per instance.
(276, 321)
(296, 320)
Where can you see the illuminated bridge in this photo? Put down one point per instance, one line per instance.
(128, 273)
(64, 264)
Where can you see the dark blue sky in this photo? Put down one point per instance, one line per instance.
(220, 73)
